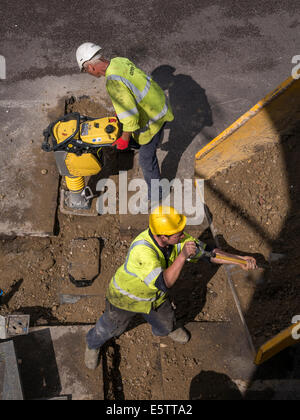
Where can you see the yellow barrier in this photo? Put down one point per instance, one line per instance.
(261, 125)
(258, 127)
(280, 342)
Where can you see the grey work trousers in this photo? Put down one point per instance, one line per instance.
(115, 321)
(149, 162)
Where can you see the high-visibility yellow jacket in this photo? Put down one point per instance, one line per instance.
(133, 286)
(141, 105)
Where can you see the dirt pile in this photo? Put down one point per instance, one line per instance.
(255, 208)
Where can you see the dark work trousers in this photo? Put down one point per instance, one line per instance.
(149, 163)
(115, 321)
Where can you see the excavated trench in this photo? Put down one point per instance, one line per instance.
(252, 215)
(34, 275)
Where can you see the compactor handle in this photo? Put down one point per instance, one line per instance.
(46, 145)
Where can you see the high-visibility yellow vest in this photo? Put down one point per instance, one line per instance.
(141, 105)
(133, 286)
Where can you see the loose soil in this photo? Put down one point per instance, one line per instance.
(255, 208)
(34, 274)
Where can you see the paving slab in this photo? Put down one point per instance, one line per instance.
(10, 382)
(2, 373)
(52, 365)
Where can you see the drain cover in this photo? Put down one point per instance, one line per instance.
(17, 325)
(13, 325)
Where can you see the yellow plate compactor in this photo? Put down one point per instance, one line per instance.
(77, 142)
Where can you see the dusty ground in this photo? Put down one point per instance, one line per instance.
(252, 214)
(34, 275)
(255, 207)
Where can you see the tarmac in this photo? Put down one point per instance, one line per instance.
(214, 59)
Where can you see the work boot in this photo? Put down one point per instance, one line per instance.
(181, 335)
(91, 358)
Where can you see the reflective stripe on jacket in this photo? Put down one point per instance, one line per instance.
(141, 105)
(133, 286)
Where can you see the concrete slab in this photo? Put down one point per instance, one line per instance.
(10, 383)
(53, 365)
(2, 373)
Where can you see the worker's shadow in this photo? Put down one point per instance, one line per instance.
(192, 113)
(215, 386)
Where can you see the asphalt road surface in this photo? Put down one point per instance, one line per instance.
(222, 56)
(216, 58)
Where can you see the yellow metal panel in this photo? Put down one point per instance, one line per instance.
(63, 130)
(94, 132)
(280, 342)
(253, 130)
(97, 132)
(84, 165)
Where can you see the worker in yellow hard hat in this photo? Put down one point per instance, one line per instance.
(154, 262)
(140, 104)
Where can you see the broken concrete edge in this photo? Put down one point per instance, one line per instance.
(16, 234)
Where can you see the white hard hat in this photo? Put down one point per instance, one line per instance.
(86, 52)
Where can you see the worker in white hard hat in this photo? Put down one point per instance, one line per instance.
(140, 104)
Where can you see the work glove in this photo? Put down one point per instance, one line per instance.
(121, 144)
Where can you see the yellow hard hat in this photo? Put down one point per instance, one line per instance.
(167, 221)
